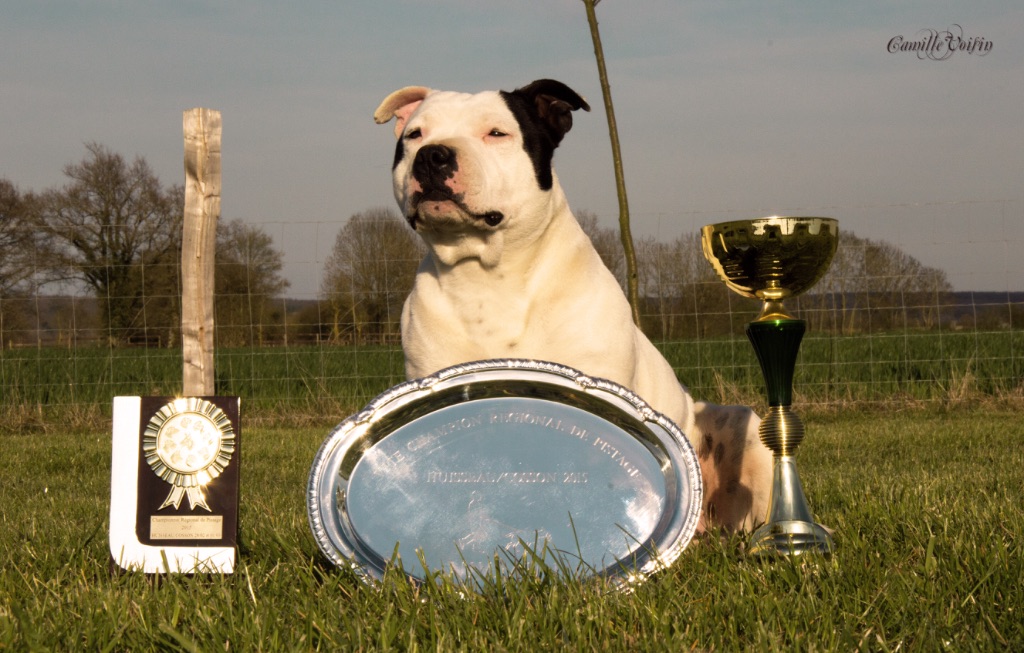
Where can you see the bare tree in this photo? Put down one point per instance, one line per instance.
(659, 286)
(17, 241)
(875, 285)
(248, 279)
(368, 275)
(682, 296)
(105, 227)
(17, 264)
(707, 304)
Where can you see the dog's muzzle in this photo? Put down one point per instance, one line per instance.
(433, 166)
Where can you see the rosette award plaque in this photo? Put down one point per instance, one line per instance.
(485, 467)
(174, 484)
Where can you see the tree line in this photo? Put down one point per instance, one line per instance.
(871, 285)
(115, 231)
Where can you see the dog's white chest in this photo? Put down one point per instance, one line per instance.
(494, 316)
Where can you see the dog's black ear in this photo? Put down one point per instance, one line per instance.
(543, 110)
(554, 103)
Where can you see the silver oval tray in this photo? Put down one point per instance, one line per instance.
(481, 466)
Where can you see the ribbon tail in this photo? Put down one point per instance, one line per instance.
(173, 499)
(196, 498)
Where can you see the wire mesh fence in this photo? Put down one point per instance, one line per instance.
(932, 314)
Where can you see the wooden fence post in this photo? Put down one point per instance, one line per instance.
(202, 129)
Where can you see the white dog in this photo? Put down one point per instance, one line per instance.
(510, 273)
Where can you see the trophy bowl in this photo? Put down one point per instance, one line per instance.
(771, 258)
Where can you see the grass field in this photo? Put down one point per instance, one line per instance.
(926, 505)
(41, 388)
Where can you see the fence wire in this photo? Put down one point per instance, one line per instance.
(937, 316)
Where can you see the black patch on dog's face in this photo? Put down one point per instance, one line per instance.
(543, 109)
(399, 152)
(536, 141)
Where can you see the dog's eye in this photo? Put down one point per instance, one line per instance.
(413, 134)
(497, 133)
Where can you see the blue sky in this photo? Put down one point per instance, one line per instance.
(725, 109)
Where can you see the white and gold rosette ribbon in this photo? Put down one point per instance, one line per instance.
(188, 443)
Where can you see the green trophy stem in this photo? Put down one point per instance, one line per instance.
(789, 528)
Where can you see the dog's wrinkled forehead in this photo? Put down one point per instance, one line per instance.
(542, 110)
(450, 114)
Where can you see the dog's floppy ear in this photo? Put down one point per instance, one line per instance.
(554, 102)
(400, 105)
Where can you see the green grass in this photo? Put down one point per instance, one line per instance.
(307, 385)
(895, 368)
(926, 505)
(291, 385)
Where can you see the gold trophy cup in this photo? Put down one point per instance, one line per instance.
(771, 259)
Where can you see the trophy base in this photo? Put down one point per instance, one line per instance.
(790, 538)
(790, 529)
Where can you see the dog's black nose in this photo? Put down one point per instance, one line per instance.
(434, 164)
(437, 156)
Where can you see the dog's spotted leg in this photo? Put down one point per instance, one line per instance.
(735, 466)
